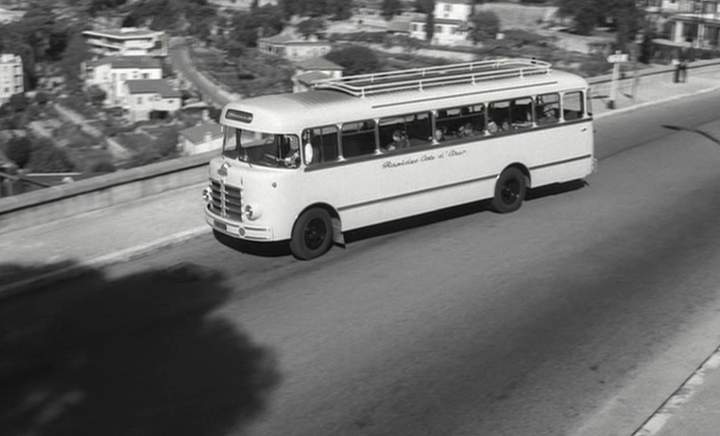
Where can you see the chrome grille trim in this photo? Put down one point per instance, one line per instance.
(225, 200)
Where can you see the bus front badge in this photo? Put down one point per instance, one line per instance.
(222, 171)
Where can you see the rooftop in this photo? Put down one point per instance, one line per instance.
(128, 62)
(311, 77)
(124, 33)
(152, 86)
(200, 133)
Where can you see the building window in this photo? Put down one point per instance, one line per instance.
(139, 100)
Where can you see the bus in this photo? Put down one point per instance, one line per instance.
(365, 149)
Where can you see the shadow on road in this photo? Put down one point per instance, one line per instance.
(265, 249)
(139, 354)
(453, 212)
(555, 189)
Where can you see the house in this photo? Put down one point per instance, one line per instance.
(293, 47)
(684, 24)
(451, 23)
(240, 5)
(150, 98)
(127, 41)
(110, 74)
(11, 76)
(204, 137)
(312, 70)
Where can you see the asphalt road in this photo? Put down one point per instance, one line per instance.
(181, 62)
(578, 314)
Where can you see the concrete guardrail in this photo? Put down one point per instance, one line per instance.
(62, 201)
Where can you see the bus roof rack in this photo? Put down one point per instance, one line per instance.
(362, 85)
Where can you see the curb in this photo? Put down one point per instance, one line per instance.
(655, 422)
(123, 255)
(655, 102)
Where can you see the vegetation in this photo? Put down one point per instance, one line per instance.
(623, 16)
(40, 36)
(355, 59)
(486, 25)
(336, 9)
(18, 150)
(311, 26)
(390, 8)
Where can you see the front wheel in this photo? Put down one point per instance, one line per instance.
(510, 190)
(312, 234)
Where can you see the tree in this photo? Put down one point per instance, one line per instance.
(18, 150)
(311, 26)
(429, 26)
(390, 8)
(46, 157)
(485, 24)
(355, 59)
(96, 95)
(340, 9)
(19, 102)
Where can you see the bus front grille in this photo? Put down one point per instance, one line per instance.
(225, 200)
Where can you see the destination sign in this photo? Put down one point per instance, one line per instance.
(236, 115)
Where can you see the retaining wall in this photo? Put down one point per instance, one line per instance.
(37, 207)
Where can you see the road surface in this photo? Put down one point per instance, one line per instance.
(179, 57)
(578, 314)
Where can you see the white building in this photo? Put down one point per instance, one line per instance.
(110, 74)
(293, 47)
(240, 5)
(310, 71)
(451, 22)
(127, 41)
(146, 99)
(685, 23)
(204, 137)
(11, 76)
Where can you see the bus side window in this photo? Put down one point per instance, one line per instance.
(358, 138)
(547, 109)
(324, 143)
(499, 117)
(404, 131)
(573, 105)
(521, 114)
(460, 122)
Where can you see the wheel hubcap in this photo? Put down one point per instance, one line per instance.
(510, 191)
(315, 233)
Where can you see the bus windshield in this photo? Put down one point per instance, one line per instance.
(260, 148)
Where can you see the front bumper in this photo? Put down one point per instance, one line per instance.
(237, 229)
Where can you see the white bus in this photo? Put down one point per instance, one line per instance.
(362, 150)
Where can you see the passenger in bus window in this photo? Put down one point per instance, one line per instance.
(439, 135)
(400, 140)
(292, 159)
(466, 130)
(492, 126)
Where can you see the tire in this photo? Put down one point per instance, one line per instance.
(312, 234)
(510, 190)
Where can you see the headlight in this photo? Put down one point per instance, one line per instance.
(252, 211)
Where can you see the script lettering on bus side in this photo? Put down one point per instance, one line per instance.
(435, 155)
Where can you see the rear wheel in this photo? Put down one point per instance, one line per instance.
(510, 190)
(312, 234)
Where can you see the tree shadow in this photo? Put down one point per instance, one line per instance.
(136, 355)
